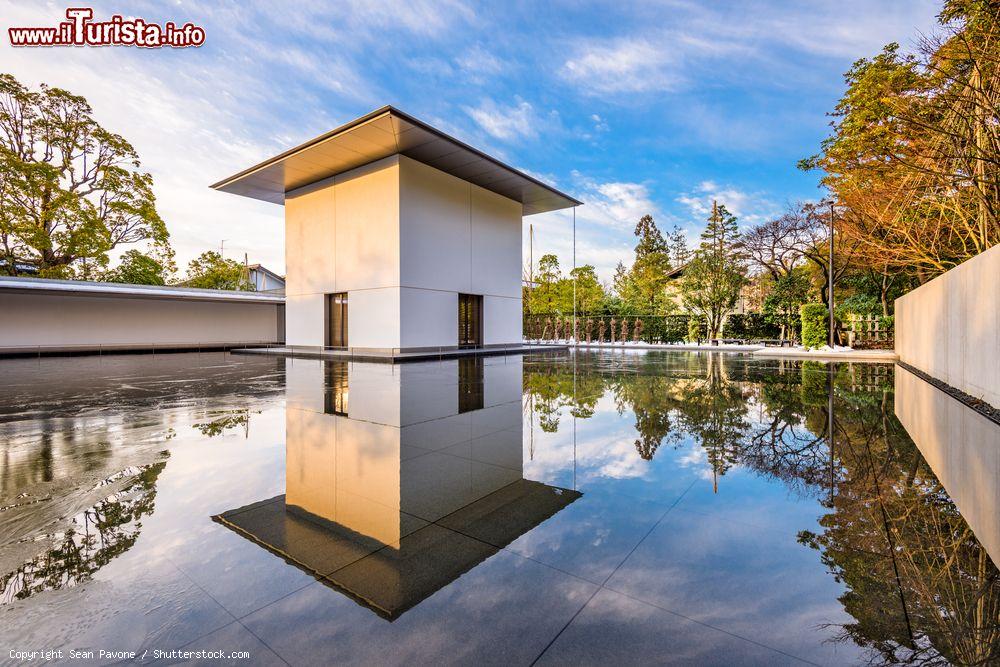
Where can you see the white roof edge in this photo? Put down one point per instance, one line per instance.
(124, 290)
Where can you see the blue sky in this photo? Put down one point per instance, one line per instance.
(638, 107)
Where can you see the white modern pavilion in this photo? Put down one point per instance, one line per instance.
(398, 237)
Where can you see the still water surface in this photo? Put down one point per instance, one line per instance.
(583, 509)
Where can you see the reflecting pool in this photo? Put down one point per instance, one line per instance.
(588, 508)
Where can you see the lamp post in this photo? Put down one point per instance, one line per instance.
(830, 276)
(574, 279)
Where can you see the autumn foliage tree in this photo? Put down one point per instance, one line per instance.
(914, 157)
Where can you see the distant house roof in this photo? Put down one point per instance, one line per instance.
(264, 269)
(676, 272)
(379, 134)
(84, 288)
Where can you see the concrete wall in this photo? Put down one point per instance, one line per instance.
(962, 448)
(950, 327)
(456, 237)
(403, 240)
(342, 235)
(67, 321)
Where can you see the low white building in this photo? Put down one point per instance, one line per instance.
(399, 237)
(45, 316)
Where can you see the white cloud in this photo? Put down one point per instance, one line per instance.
(505, 122)
(479, 64)
(604, 225)
(733, 43)
(623, 203)
(198, 115)
(749, 207)
(621, 66)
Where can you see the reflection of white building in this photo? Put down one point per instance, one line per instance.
(398, 236)
(400, 478)
(369, 444)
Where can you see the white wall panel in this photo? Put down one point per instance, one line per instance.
(52, 320)
(373, 318)
(304, 319)
(428, 318)
(435, 220)
(502, 320)
(496, 244)
(950, 327)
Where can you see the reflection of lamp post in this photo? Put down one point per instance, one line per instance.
(831, 275)
(829, 426)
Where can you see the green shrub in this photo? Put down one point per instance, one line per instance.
(864, 305)
(697, 328)
(814, 324)
(813, 389)
(792, 322)
(675, 328)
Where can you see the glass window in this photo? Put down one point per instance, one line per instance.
(336, 314)
(470, 320)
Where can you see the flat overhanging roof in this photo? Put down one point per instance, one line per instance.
(33, 285)
(384, 132)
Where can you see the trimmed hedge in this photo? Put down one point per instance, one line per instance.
(750, 325)
(668, 329)
(697, 328)
(655, 328)
(814, 324)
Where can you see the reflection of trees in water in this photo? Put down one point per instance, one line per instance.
(219, 421)
(713, 410)
(549, 387)
(653, 400)
(920, 587)
(782, 444)
(95, 537)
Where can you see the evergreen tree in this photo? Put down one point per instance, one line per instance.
(543, 296)
(553, 292)
(679, 253)
(136, 268)
(589, 291)
(210, 270)
(71, 191)
(620, 281)
(644, 290)
(713, 278)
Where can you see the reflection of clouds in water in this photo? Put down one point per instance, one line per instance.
(619, 461)
(605, 445)
(697, 458)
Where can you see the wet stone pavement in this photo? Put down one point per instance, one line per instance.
(584, 508)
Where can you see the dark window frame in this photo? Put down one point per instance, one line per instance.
(332, 337)
(470, 321)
